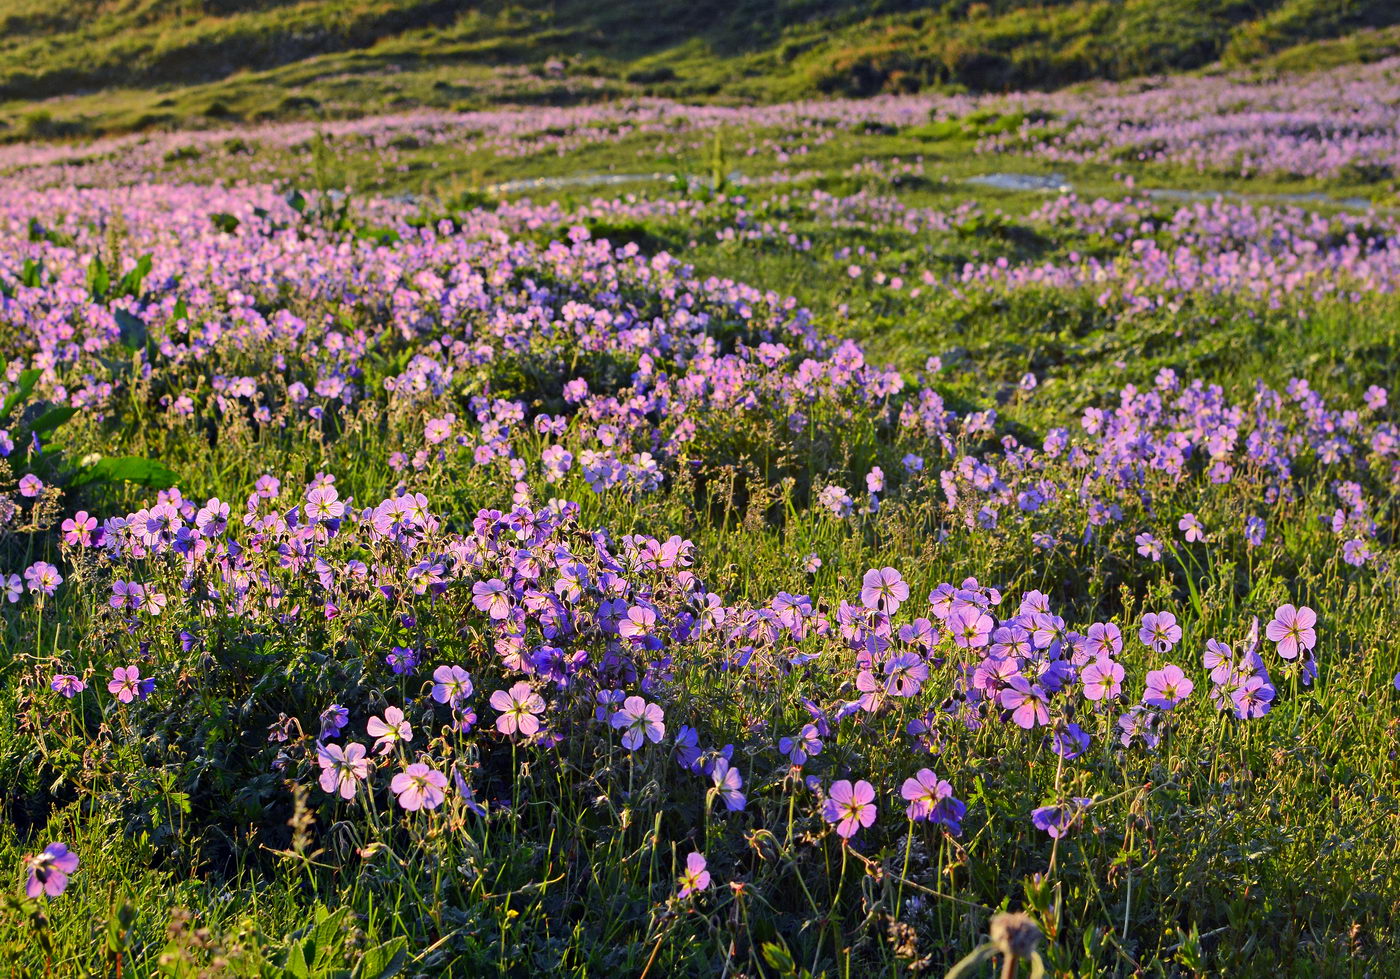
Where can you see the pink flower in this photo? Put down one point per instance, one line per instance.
(1103, 679)
(1167, 687)
(639, 721)
(323, 503)
(850, 807)
(342, 769)
(419, 787)
(126, 684)
(1160, 631)
(393, 728)
(883, 589)
(518, 707)
(491, 598)
(77, 529)
(1292, 628)
(696, 877)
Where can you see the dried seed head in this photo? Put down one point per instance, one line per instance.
(1014, 934)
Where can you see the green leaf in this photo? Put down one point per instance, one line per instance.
(132, 328)
(295, 963)
(296, 200)
(24, 387)
(967, 967)
(225, 222)
(99, 280)
(779, 958)
(132, 469)
(32, 274)
(382, 961)
(52, 419)
(130, 284)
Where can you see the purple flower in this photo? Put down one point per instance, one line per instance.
(1292, 628)
(126, 684)
(1026, 701)
(931, 799)
(333, 721)
(1059, 819)
(905, 674)
(452, 685)
(1070, 741)
(389, 730)
(402, 660)
(342, 769)
(49, 871)
(491, 598)
(518, 707)
(1167, 687)
(42, 577)
(883, 589)
(728, 784)
(67, 684)
(639, 721)
(1160, 631)
(1254, 531)
(1102, 679)
(850, 807)
(1253, 697)
(30, 486)
(1192, 528)
(805, 745)
(695, 877)
(419, 787)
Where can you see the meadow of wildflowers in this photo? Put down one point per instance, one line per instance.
(433, 583)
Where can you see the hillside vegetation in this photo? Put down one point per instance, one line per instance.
(71, 67)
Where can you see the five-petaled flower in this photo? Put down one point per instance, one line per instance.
(638, 721)
(49, 871)
(850, 807)
(342, 769)
(419, 787)
(518, 706)
(695, 877)
(1292, 628)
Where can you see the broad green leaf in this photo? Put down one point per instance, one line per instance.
(134, 332)
(383, 961)
(24, 387)
(132, 469)
(99, 280)
(130, 284)
(52, 419)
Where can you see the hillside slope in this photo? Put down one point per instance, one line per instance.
(124, 64)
